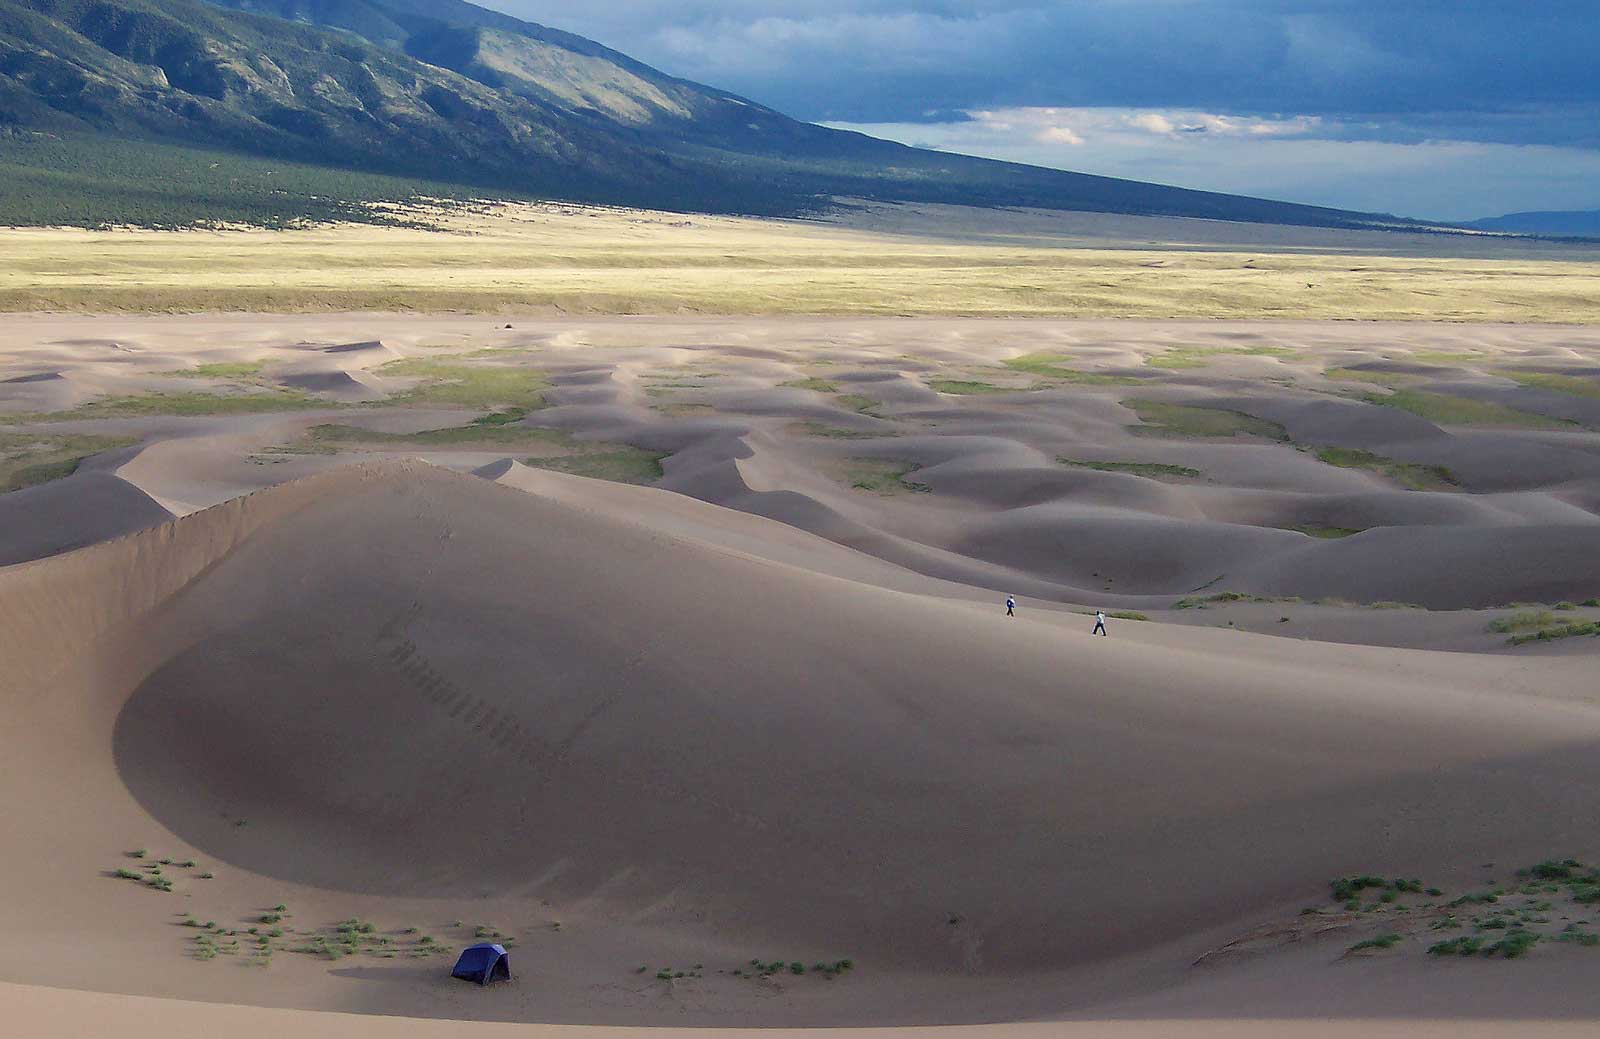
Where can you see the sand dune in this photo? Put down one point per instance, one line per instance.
(84, 509)
(395, 675)
(390, 666)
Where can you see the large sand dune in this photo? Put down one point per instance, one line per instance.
(410, 691)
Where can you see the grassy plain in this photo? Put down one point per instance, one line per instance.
(547, 258)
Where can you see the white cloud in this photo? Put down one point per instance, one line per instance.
(1154, 122)
(1058, 135)
(1293, 158)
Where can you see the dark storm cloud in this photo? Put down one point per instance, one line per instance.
(896, 60)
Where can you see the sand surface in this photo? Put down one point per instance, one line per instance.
(372, 649)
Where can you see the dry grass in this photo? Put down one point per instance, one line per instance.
(616, 261)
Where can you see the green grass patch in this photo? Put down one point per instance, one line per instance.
(1152, 470)
(856, 402)
(1575, 629)
(1367, 375)
(1047, 366)
(969, 387)
(812, 383)
(1446, 410)
(1462, 945)
(230, 370)
(1382, 941)
(1516, 943)
(1127, 615)
(30, 459)
(1571, 385)
(1521, 621)
(1446, 356)
(1409, 475)
(470, 435)
(459, 382)
(181, 405)
(1182, 420)
(882, 475)
(1200, 602)
(1201, 356)
(619, 465)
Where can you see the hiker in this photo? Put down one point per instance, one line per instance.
(1099, 623)
(1011, 607)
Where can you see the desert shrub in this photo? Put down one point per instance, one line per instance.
(1465, 945)
(1514, 944)
(1382, 941)
(1346, 888)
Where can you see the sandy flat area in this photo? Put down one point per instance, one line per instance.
(669, 652)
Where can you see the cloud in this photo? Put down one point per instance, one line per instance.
(1296, 158)
(1154, 122)
(1058, 135)
(889, 60)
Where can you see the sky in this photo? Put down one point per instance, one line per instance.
(1438, 109)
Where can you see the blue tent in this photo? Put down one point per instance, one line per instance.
(483, 964)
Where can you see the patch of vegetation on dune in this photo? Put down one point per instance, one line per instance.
(882, 475)
(856, 402)
(181, 405)
(1446, 356)
(457, 381)
(619, 463)
(1522, 621)
(1446, 410)
(1147, 469)
(1184, 420)
(30, 459)
(1200, 602)
(971, 387)
(480, 432)
(1380, 378)
(1201, 356)
(1047, 366)
(624, 464)
(222, 370)
(1410, 475)
(813, 384)
(1569, 630)
(1571, 385)
(849, 401)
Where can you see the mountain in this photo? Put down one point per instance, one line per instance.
(1583, 223)
(458, 95)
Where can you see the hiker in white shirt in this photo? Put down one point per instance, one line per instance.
(1099, 623)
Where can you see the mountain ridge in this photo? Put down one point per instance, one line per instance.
(459, 95)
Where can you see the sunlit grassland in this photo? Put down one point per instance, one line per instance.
(617, 261)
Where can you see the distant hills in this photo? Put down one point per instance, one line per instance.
(1584, 223)
(125, 111)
